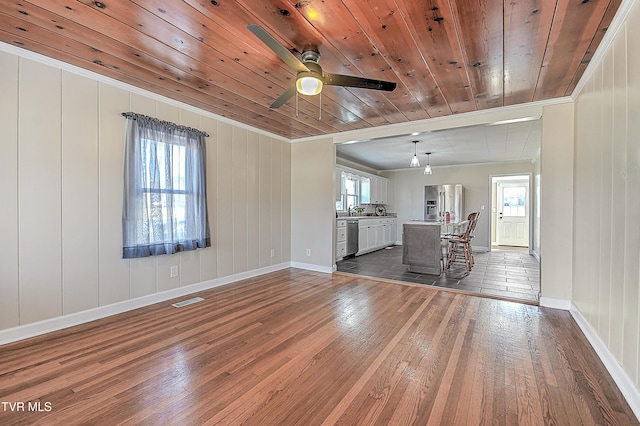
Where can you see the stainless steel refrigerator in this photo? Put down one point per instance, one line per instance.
(440, 199)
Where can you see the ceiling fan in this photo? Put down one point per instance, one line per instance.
(310, 79)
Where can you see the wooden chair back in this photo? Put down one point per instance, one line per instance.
(472, 220)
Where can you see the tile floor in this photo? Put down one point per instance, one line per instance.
(504, 272)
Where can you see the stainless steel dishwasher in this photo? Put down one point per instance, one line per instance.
(352, 237)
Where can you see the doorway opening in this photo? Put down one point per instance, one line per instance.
(511, 219)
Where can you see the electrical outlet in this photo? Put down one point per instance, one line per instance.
(273, 252)
(308, 252)
(174, 271)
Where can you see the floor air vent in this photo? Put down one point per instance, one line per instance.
(188, 302)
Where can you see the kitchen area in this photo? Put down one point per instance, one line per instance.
(363, 224)
(392, 244)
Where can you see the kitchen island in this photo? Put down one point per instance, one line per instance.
(421, 248)
(421, 244)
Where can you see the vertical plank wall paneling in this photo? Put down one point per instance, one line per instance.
(224, 206)
(265, 200)
(80, 200)
(617, 140)
(631, 353)
(602, 295)
(9, 185)
(240, 215)
(40, 192)
(114, 277)
(61, 169)
(209, 255)
(285, 201)
(607, 198)
(276, 201)
(253, 199)
(585, 198)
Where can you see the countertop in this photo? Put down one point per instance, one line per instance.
(435, 222)
(388, 216)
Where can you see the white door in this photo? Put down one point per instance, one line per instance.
(513, 214)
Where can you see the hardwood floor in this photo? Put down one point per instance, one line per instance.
(300, 347)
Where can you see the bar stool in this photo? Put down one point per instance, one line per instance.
(460, 245)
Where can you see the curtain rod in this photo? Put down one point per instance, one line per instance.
(134, 116)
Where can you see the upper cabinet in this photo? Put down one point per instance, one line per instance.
(366, 188)
(378, 190)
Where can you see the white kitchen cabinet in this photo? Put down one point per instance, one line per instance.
(341, 239)
(383, 185)
(378, 190)
(374, 234)
(379, 231)
(387, 233)
(365, 190)
(363, 237)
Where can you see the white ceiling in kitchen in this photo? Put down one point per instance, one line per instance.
(487, 143)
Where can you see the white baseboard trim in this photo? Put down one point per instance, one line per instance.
(312, 267)
(625, 384)
(549, 302)
(26, 331)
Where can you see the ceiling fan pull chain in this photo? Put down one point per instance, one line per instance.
(296, 104)
(320, 116)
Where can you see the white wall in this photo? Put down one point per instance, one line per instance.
(556, 201)
(406, 192)
(606, 247)
(313, 204)
(62, 140)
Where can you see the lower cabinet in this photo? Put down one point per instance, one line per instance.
(341, 239)
(374, 234)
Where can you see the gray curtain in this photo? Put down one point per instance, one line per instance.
(164, 205)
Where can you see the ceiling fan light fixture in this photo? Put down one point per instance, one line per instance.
(414, 161)
(309, 85)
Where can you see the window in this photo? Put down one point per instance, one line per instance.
(164, 208)
(355, 190)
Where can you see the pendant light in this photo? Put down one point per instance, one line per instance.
(414, 161)
(427, 169)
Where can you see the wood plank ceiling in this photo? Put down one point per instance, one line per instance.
(447, 56)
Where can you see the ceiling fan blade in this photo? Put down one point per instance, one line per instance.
(282, 99)
(286, 56)
(363, 83)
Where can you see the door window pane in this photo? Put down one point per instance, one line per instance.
(513, 201)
